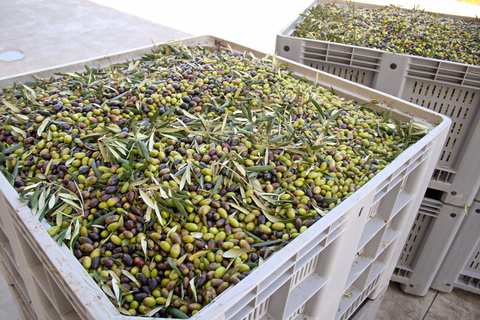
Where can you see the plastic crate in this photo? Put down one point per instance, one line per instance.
(449, 88)
(427, 244)
(307, 278)
(461, 266)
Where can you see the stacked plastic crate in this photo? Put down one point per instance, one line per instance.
(327, 272)
(452, 89)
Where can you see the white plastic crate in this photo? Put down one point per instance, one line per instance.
(449, 88)
(427, 244)
(307, 278)
(461, 266)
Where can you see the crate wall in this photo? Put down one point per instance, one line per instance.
(461, 266)
(307, 278)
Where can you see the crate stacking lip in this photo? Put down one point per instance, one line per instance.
(306, 278)
(449, 88)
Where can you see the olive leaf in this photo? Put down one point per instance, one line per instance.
(70, 202)
(42, 126)
(143, 150)
(217, 185)
(143, 242)
(181, 259)
(176, 313)
(174, 267)
(169, 298)
(125, 311)
(154, 310)
(108, 291)
(146, 198)
(260, 168)
(267, 243)
(17, 131)
(240, 208)
(171, 231)
(235, 252)
(11, 106)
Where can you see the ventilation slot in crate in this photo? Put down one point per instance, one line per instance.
(472, 77)
(359, 298)
(458, 103)
(474, 264)
(298, 313)
(468, 283)
(401, 273)
(429, 210)
(258, 312)
(304, 272)
(350, 74)
(443, 176)
(469, 278)
(343, 55)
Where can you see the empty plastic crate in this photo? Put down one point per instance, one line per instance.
(461, 266)
(427, 244)
(449, 88)
(327, 272)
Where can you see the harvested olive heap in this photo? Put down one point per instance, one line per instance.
(172, 177)
(394, 29)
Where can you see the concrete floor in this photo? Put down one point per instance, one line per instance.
(458, 304)
(50, 32)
